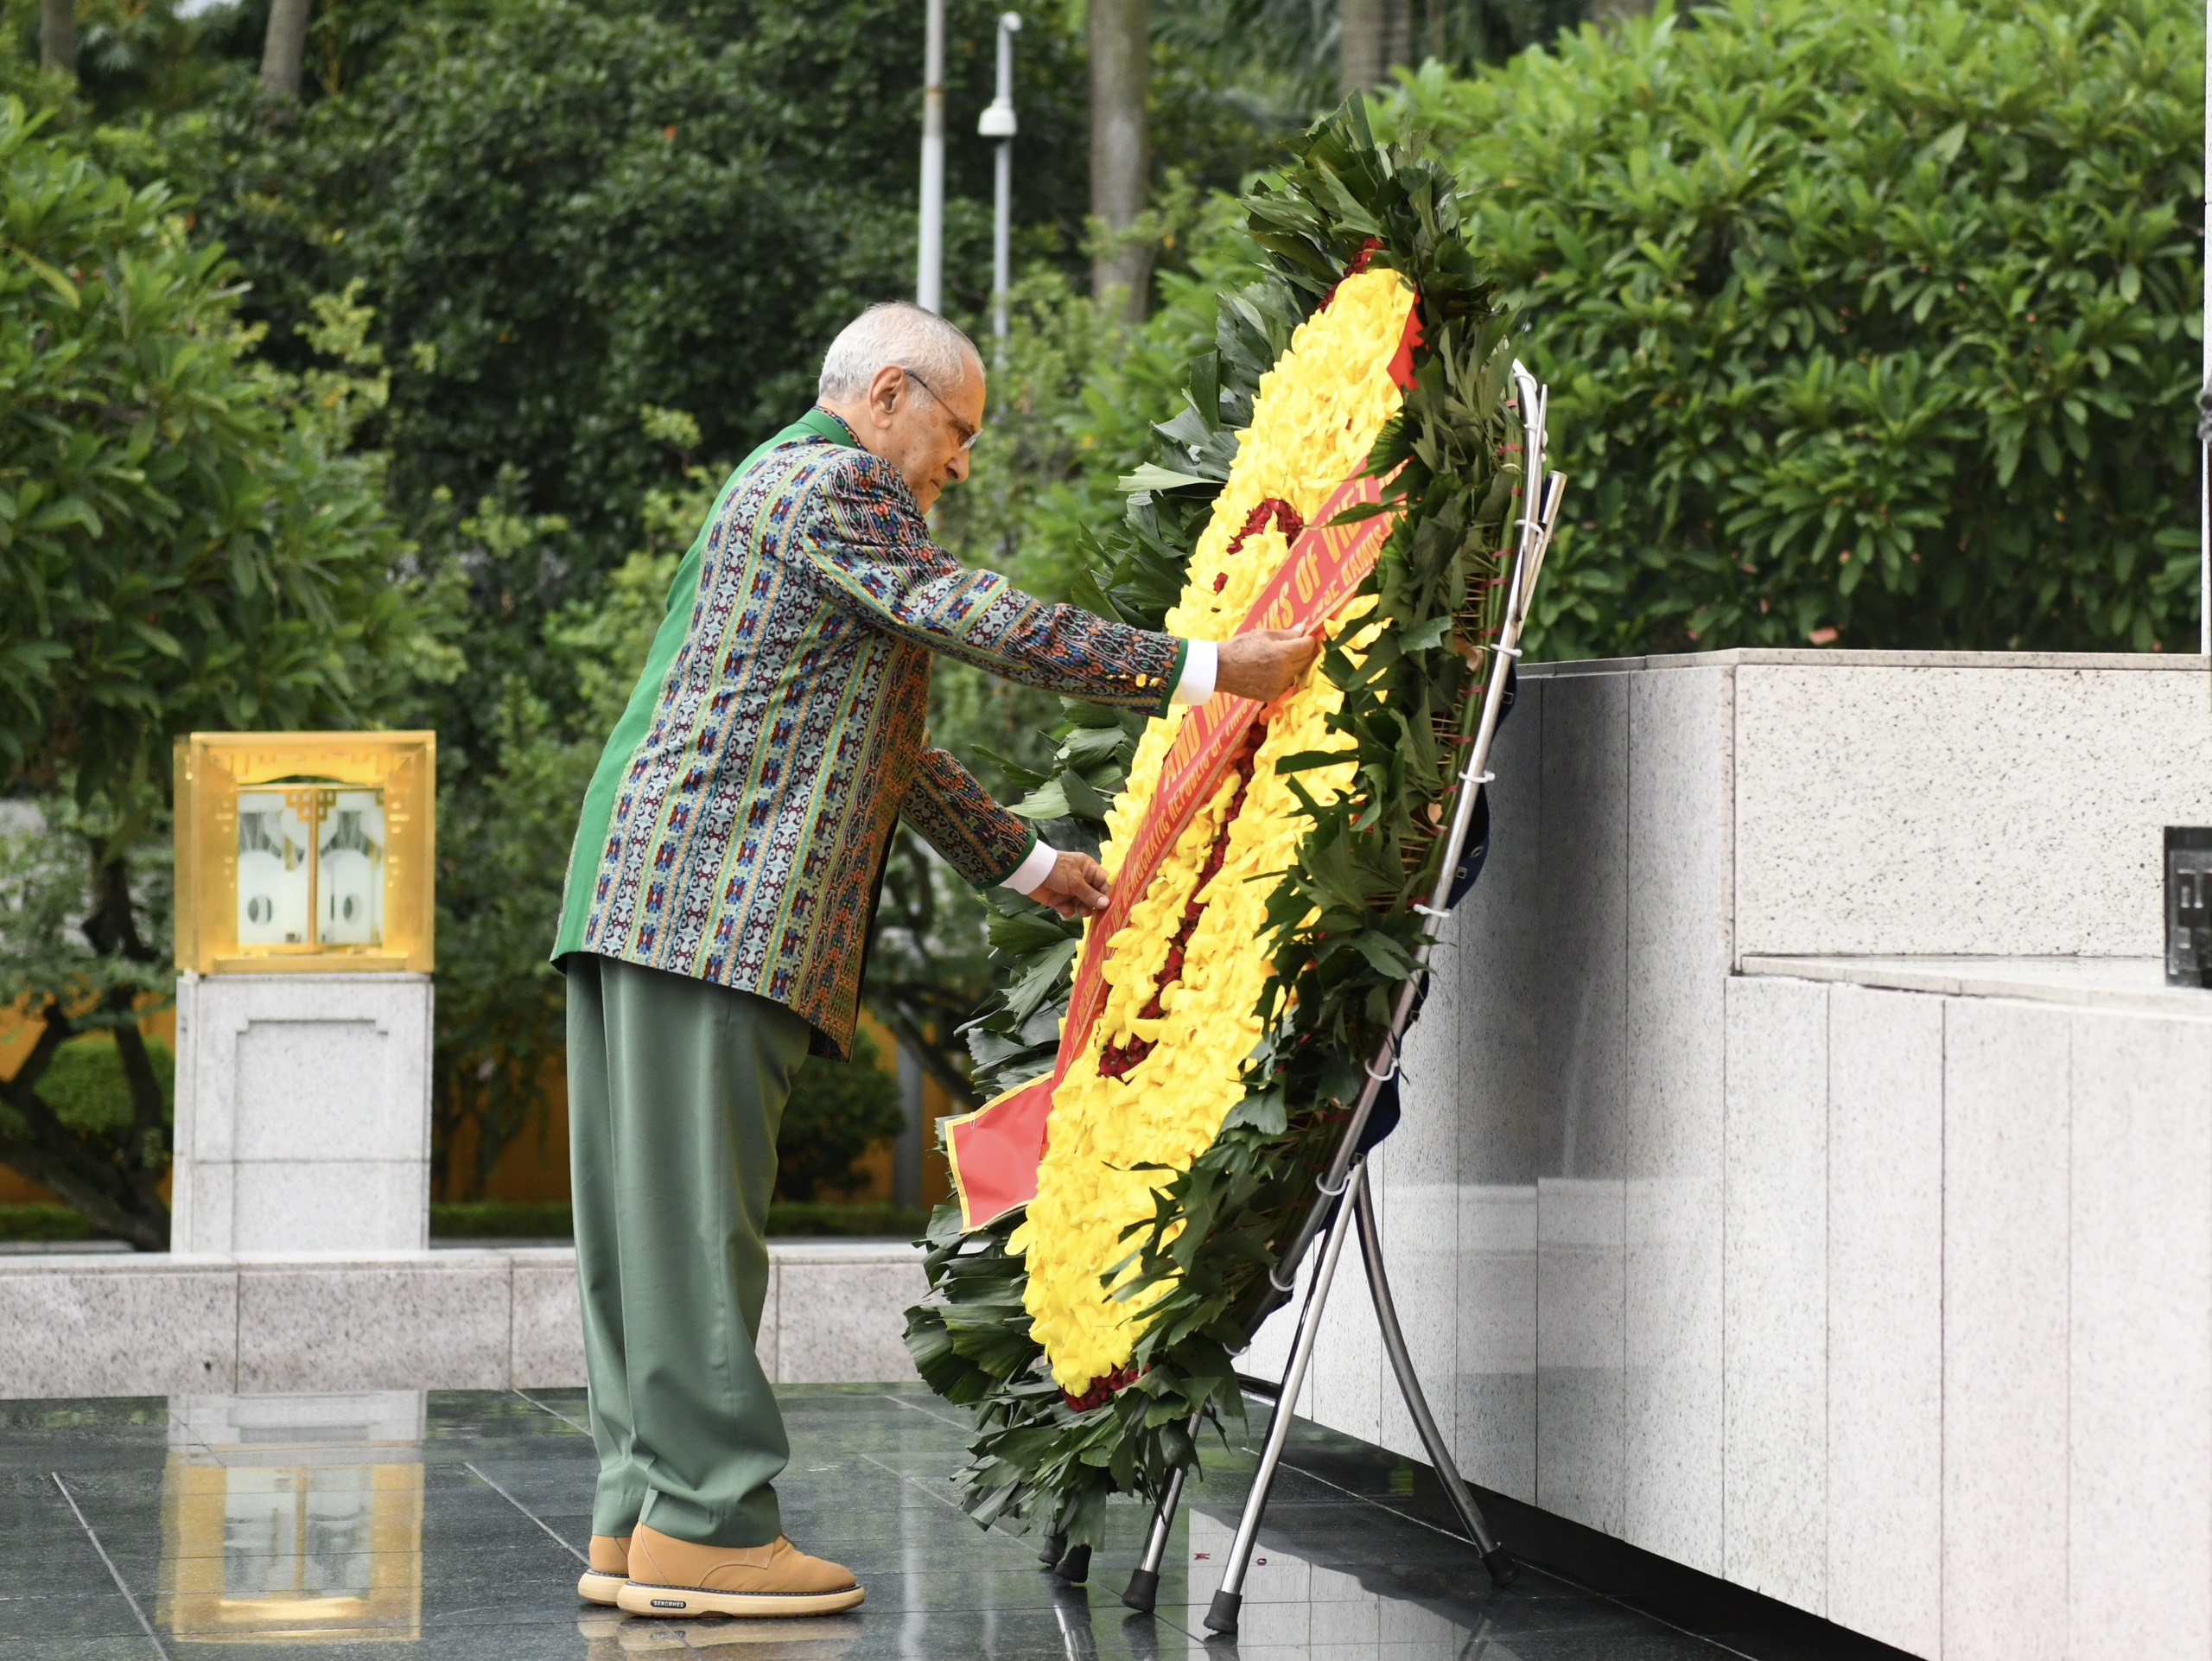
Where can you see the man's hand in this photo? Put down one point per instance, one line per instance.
(1076, 886)
(1266, 663)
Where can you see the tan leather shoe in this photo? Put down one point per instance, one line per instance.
(610, 1566)
(674, 1577)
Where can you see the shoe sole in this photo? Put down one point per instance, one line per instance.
(595, 1588)
(640, 1598)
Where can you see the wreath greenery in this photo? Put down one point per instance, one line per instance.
(1342, 918)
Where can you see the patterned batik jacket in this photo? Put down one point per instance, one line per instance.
(737, 825)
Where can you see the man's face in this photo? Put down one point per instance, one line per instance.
(921, 428)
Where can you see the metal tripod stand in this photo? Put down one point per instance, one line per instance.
(1359, 1216)
(1346, 1178)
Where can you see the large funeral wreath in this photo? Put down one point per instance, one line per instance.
(1254, 976)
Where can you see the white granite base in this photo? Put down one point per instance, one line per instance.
(1833, 1166)
(303, 1114)
(115, 1325)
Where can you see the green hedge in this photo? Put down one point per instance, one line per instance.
(31, 1222)
(1868, 321)
(502, 1219)
(860, 1220)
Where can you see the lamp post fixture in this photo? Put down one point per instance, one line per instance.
(997, 122)
(929, 277)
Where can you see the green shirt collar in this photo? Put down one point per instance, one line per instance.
(821, 423)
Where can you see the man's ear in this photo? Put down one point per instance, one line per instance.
(883, 391)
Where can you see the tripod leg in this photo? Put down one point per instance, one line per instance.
(1144, 1586)
(1143, 1594)
(1495, 1556)
(1222, 1617)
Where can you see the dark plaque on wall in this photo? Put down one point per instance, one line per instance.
(2188, 905)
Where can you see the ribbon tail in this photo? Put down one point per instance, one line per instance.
(994, 1152)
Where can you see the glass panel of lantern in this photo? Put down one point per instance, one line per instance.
(276, 883)
(349, 861)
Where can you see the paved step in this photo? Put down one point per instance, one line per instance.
(107, 1324)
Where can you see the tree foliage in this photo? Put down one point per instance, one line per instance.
(508, 804)
(564, 216)
(562, 212)
(1872, 318)
(1289, 50)
(89, 1088)
(183, 539)
(186, 540)
(1870, 323)
(1915, 284)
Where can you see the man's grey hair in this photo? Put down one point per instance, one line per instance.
(896, 333)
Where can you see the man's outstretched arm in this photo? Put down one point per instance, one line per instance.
(860, 537)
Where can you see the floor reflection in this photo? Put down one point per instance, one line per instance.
(1323, 1601)
(311, 1528)
(611, 1637)
(1071, 1610)
(293, 1518)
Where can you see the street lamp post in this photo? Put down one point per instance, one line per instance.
(929, 277)
(998, 123)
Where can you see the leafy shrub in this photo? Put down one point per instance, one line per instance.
(85, 1084)
(837, 1111)
(1866, 320)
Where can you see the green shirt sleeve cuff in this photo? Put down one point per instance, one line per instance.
(1174, 676)
(1013, 865)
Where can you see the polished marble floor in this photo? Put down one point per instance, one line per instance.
(389, 1524)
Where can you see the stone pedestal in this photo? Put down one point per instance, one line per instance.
(303, 1114)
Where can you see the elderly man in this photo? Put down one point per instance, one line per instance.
(716, 916)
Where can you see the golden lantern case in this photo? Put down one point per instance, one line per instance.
(304, 852)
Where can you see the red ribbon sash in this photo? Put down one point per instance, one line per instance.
(995, 1151)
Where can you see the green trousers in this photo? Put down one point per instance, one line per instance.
(676, 1088)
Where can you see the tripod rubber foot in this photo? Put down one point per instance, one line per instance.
(1143, 1594)
(1503, 1571)
(1075, 1567)
(1054, 1549)
(1222, 1617)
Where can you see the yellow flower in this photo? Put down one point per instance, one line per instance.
(1163, 1066)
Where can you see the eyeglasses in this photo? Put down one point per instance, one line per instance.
(967, 435)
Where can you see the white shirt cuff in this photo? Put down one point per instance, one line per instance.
(1200, 665)
(1025, 877)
